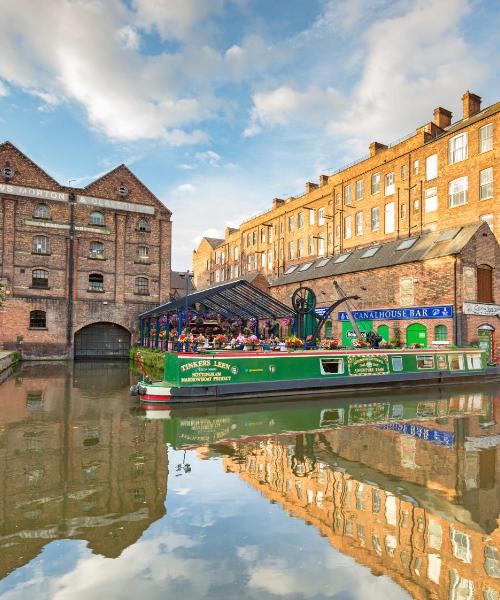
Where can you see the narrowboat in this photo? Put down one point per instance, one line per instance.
(198, 377)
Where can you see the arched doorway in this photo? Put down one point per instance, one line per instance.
(383, 331)
(416, 333)
(102, 340)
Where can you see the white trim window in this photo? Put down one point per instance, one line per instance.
(389, 217)
(404, 172)
(486, 184)
(291, 250)
(290, 224)
(263, 259)
(348, 227)
(486, 138)
(300, 220)
(416, 165)
(360, 189)
(270, 259)
(310, 245)
(375, 183)
(321, 216)
(458, 148)
(359, 223)
(312, 216)
(321, 246)
(300, 248)
(270, 229)
(458, 192)
(375, 218)
(431, 199)
(236, 253)
(462, 547)
(348, 195)
(390, 185)
(431, 167)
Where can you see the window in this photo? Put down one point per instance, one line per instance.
(291, 250)
(434, 534)
(300, 220)
(249, 239)
(41, 245)
(460, 588)
(97, 218)
(236, 253)
(321, 246)
(370, 252)
(458, 192)
(484, 284)
(491, 562)
(431, 167)
(143, 225)
(290, 270)
(375, 218)
(404, 172)
(143, 253)
(40, 278)
(348, 227)
(456, 362)
(461, 546)
(269, 259)
(431, 200)
(403, 211)
(416, 165)
(359, 223)
(142, 286)
(348, 195)
(96, 250)
(322, 262)
(375, 183)
(342, 257)
(290, 223)
(312, 216)
(425, 362)
(487, 219)
(300, 248)
(332, 366)
(457, 148)
(389, 217)
(254, 237)
(486, 138)
(390, 186)
(397, 363)
(310, 245)
(486, 184)
(42, 211)
(305, 266)
(96, 282)
(38, 319)
(263, 235)
(440, 333)
(250, 262)
(474, 361)
(376, 500)
(416, 205)
(406, 244)
(360, 189)
(321, 216)
(271, 229)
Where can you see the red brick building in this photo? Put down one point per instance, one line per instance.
(78, 264)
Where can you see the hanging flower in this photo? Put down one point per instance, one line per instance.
(287, 321)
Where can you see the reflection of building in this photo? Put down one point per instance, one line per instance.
(433, 543)
(74, 464)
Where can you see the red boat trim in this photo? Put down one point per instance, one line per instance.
(153, 398)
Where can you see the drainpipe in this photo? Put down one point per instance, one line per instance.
(457, 338)
(71, 270)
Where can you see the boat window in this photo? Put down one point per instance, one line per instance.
(474, 361)
(456, 362)
(425, 362)
(397, 363)
(332, 365)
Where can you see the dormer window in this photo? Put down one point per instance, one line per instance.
(97, 218)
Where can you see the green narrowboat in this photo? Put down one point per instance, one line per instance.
(196, 377)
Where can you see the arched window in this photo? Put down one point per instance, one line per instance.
(142, 286)
(440, 333)
(41, 245)
(40, 278)
(96, 250)
(143, 252)
(38, 319)
(484, 283)
(96, 282)
(143, 225)
(42, 211)
(97, 218)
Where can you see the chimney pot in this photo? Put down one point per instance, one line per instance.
(376, 147)
(310, 186)
(323, 180)
(442, 117)
(277, 202)
(471, 104)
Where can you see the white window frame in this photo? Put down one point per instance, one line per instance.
(321, 246)
(389, 217)
(291, 223)
(348, 227)
(457, 196)
(431, 167)
(291, 250)
(486, 138)
(389, 184)
(462, 552)
(321, 216)
(360, 189)
(310, 245)
(416, 165)
(486, 184)
(375, 183)
(458, 148)
(348, 195)
(300, 220)
(312, 216)
(431, 199)
(375, 210)
(300, 247)
(359, 223)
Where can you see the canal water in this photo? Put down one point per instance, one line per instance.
(382, 496)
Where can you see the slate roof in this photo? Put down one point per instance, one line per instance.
(214, 242)
(178, 284)
(426, 246)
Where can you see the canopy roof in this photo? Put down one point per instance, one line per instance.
(234, 300)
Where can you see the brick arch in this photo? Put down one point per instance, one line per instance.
(102, 339)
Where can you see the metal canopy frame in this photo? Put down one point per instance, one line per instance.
(235, 300)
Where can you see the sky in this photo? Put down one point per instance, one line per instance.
(219, 106)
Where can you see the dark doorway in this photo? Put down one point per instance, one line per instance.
(105, 340)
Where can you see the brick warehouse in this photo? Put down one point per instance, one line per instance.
(79, 265)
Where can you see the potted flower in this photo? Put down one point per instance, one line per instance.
(219, 340)
(252, 341)
(293, 342)
(330, 344)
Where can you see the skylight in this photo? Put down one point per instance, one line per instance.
(447, 235)
(404, 245)
(290, 269)
(370, 252)
(322, 262)
(305, 266)
(342, 257)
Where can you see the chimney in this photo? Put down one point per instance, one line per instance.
(471, 104)
(277, 202)
(323, 180)
(310, 186)
(376, 147)
(442, 117)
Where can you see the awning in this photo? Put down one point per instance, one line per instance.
(235, 300)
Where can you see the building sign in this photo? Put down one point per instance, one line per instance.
(434, 436)
(116, 205)
(469, 276)
(321, 310)
(18, 190)
(486, 310)
(205, 371)
(396, 314)
(368, 364)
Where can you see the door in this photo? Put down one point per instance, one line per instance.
(484, 284)
(383, 331)
(348, 334)
(416, 334)
(106, 340)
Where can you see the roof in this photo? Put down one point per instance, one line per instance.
(234, 300)
(214, 242)
(482, 114)
(177, 281)
(424, 247)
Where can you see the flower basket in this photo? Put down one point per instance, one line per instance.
(293, 343)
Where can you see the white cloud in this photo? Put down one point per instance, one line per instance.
(129, 37)
(186, 188)
(209, 157)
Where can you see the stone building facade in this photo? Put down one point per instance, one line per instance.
(441, 176)
(78, 264)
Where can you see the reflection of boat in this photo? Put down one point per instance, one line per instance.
(190, 426)
(226, 375)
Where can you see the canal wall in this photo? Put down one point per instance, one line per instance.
(8, 360)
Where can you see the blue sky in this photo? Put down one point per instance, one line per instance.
(221, 105)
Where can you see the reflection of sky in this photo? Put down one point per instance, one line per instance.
(220, 539)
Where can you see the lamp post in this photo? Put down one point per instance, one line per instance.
(186, 276)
